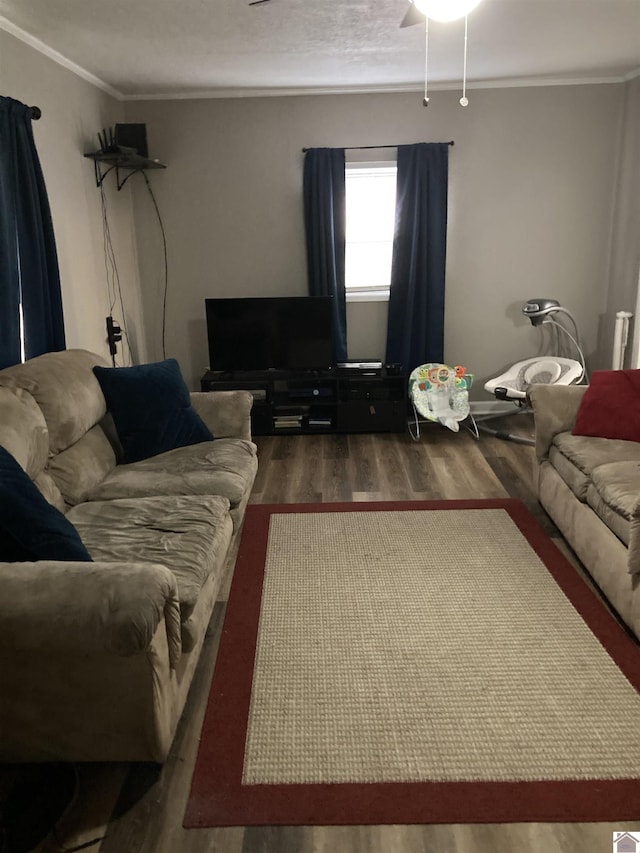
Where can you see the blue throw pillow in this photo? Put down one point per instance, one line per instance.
(30, 527)
(151, 408)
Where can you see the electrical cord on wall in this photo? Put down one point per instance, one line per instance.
(108, 256)
(166, 265)
(114, 289)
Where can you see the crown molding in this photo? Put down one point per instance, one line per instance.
(272, 92)
(406, 88)
(52, 54)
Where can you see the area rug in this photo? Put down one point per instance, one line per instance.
(415, 662)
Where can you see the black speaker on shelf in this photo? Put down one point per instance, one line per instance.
(133, 136)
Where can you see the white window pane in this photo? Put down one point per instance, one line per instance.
(370, 208)
(368, 264)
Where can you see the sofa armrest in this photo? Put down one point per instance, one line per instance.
(226, 413)
(555, 408)
(88, 607)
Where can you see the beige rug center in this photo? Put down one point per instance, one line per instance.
(427, 645)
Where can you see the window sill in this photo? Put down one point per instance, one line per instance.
(368, 296)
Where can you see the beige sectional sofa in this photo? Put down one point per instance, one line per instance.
(96, 658)
(591, 489)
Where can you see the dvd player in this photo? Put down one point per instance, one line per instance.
(360, 365)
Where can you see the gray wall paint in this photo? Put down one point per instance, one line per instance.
(625, 233)
(543, 201)
(532, 179)
(72, 111)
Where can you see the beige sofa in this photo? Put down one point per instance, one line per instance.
(96, 658)
(591, 489)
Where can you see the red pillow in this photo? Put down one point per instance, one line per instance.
(610, 407)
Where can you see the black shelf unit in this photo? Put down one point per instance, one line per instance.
(372, 402)
(120, 160)
(343, 401)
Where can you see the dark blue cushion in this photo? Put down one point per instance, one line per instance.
(30, 528)
(151, 408)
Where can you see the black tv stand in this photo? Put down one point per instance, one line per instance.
(318, 401)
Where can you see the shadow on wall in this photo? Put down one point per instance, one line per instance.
(198, 349)
(367, 330)
(515, 315)
(534, 342)
(129, 349)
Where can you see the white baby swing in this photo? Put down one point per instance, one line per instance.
(547, 369)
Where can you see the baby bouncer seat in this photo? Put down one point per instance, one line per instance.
(440, 393)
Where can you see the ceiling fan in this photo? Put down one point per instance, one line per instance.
(436, 10)
(412, 16)
(422, 11)
(419, 10)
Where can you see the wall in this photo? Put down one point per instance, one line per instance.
(532, 178)
(625, 235)
(72, 112)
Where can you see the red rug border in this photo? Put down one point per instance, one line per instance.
(235, 804)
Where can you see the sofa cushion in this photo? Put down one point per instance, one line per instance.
(575, 457)
(577, 480)
(66, 390)
(151, 408)
(189, 535)
(83, 466)
(30, 527)
(47, 487)
(225, 467)
(610, 407)
(614, 520)
(614, 495)
(23, 429)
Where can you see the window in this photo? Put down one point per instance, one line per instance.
(371, 209)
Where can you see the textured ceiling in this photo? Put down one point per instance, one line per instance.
(192, 47)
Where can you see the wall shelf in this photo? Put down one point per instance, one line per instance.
(105, 162)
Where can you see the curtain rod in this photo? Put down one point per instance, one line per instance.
(36, 112)
(368, 147)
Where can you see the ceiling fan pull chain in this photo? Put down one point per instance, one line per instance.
(464, 100)
(425, 102)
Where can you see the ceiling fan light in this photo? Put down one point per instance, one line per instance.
(445, 10)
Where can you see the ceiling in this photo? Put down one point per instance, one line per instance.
(191, 48)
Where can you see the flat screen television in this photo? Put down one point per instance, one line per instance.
(270, 333)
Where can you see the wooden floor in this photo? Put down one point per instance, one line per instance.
(139, 808)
